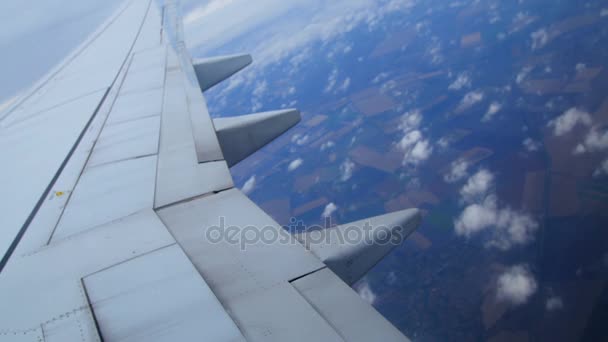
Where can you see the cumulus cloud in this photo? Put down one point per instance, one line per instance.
(346, 170)
(295, 164)
(416, 149)
(506, 227)
(366, 292)
(477, 186)
(329, 210)
(260, 88)
(470, 99)
(554, 303)
(278, 30)
(540, 38)
(594, 141)
(331, 80)
(494, 108)
(327, 145)
(299, 139)
(443, 142)
(421, 151)
(564, 123)
(345, 85)
(516, 285)
(476, 217)
(509, 228)
(458, 171)
(531, 145)
(249, 185)
(602, 170)
(462, 81)
(523, 74)
(580, 67)
(411, 120)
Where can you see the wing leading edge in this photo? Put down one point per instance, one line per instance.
(117, 243)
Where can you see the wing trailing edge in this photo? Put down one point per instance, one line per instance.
(211, 71)
(241, 136)
(351, 250)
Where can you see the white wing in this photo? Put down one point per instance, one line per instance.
(114, 176)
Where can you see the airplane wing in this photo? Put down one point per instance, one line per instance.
(121, 209)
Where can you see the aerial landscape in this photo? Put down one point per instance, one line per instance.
(490, 116)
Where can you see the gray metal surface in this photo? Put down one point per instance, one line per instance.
(251, 280)
(127, 140)
(44, 286)
(157, 297)
(127, 179)
(241, 136)
(106, 193)
(340, 305)
(211, 71)
(21, 168)
(180, 176)
(352, 249)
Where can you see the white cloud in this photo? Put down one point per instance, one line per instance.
(295, 164)
(277, 30)
(482, 213)
(523, 74)
(462, 81)
(346, 170)
(568, 120)
(443, 142)
(475, 218)
(207, 9)
(494, 108)
(458, 171)
(477, 186)
(329, 210)
(594, 141)
(510, 228)
(604, 12)
(516, 285)
(554, 303)
(345, 85)
(540, 38)
(331, 80)
(421, 151)
(410, 139)
(416, 149)
(299, 139)
(327, 145)
(531, 145)
(471, 99)
(249, 185)
(580, 67)
(602, 170)
(410, 120)
(380, 77)
(366, 292)
(260, 88)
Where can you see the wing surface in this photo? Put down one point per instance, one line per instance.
(116, 180)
